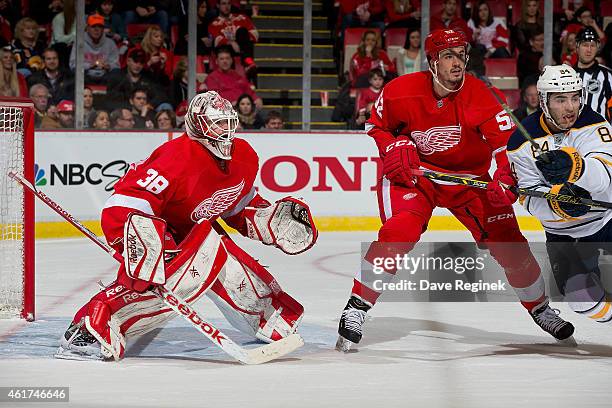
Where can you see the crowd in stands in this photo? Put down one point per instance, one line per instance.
(512, 30)
(134, 60)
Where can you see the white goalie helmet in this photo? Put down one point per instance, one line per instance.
(558, 79)
(212, 121)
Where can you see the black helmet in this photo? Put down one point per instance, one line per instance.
(587, 34)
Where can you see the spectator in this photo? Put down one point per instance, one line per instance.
(583, 17)
(205, 40)
(26, 47)
(6, 33)
(274, 121)
(88, 99)
(530, 101)
(59, 82)
(369, 55)
(247, 113)
(165, 120)
(12, 82)
(158, 59)
(65, 116)
(227, 82)
(448, 19)
(144, 118)
(100, 54)
(606, 52)
(42, 11)
(237, 31)
(179, 90)
(368, 96)
(569, 55)
(402, 13)
(64, 31)
(409, 59)
(530, 22)
(181, 111)
(114, 27)
(122, 119)
(40, 96)
(98, 120)
(528, 62)
(10, 10)
(596, 78)
(148, 12)
(489, 33)
(120, 87)
(362, 13)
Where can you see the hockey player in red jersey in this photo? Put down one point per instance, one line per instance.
(188, 183)
(444, 120)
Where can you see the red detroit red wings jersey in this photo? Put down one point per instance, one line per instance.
(181, 182)
(456, 134)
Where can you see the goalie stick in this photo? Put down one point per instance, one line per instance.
(257, 355)
(432, 175)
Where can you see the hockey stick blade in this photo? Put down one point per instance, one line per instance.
(258, 355)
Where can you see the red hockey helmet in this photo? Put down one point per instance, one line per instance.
(439, 40)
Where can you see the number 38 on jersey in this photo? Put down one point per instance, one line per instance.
(154, 182)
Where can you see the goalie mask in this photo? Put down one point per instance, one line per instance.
(212, 121)
(558, 79)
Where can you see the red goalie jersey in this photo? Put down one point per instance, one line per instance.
(456, 134)
(181, 182)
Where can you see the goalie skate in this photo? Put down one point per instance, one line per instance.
(548, 319)
(78, 344)
(351, 323)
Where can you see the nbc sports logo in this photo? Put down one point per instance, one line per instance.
(39, 176)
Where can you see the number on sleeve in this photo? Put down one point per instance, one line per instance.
(379, 104)
(504, 121)
(604, 134)
(155, 182)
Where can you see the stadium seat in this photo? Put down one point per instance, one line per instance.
(174, 33)
(395, 39)
(137, 30)
(500, 67)
(352, 36)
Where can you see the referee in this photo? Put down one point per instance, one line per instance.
(596, 78)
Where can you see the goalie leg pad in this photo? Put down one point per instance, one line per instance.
(252, 300)
(129, 313)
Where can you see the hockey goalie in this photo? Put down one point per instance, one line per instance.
(162, 217)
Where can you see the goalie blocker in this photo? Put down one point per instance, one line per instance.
(204, 263)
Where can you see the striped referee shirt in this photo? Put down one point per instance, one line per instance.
(597, 81)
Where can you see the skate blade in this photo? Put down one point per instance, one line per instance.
(344, 345)
(569, 342)
(66, 354)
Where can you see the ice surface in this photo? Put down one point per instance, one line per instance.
(412, 354)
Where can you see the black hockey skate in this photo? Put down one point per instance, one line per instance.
(78, 344)
(351, 322)
(548, 319)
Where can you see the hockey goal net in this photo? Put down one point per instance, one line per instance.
(16, 209)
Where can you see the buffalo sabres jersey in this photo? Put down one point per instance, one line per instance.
(591, 136)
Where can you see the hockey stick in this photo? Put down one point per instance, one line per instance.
(257, 355)
(519, 125)
(563, 198)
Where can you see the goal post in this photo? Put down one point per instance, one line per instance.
(16, 209)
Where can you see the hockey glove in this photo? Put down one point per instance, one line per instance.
(561, 166)
(286, 224)
(498, 190)
(400, 160)
(568, 210)
(144, 252)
